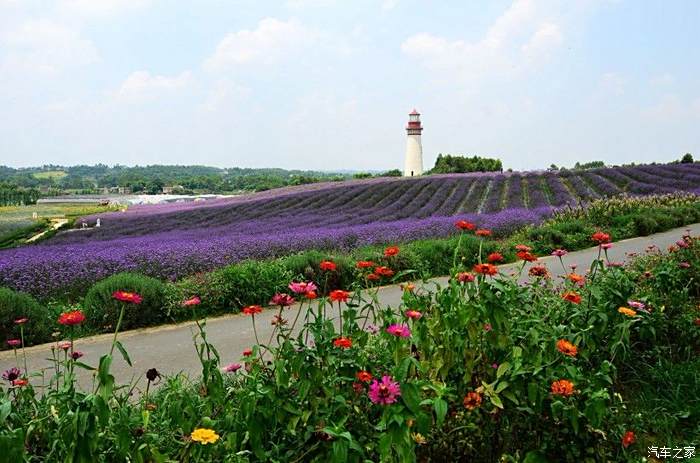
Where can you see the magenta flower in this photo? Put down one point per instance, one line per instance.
(413, 314)
(282, 299)
(606, 246)
(684, 265)
(384, 392)
(636, 305)
(14, 342)
(231, 368)
(560, 252)
(302, 287)
(399, 330)
(11, 374)
(488, 327)
(76, 355)
(682, 243)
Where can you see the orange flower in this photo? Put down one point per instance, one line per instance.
(495, 257)
(483, 233)
(339, 295)
(575, 278)
(311, 295)
(566, 348)
(600, 237)
(563, 387)
(364, 264)
(628, 439)
(408, 287)
(252, 309)
(413, 314)
(522, 248)
(373, 277)
(20, 382)
(364, 376)
(571, 297)
(539, 271)
(126, 296)
(527, 256)
(472, 400)
(344, 343)
(627, 311)
(485, 269)
(464, 225)
(384, 271)
(327, 265)
(391, 251)
(75, 317)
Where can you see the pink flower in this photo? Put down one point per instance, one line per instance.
(606, 246)
(231, 368)
(14, 342)
(282, 299)
(560, 252)
(399, 330)
(65, 345)
(192, 301)
(636, 305)
(682, 243)
(302, 287)
(372, 329)
(76, 355)
(384, 392)
(413, 314)
(21, 321)
(684, 265)
(465, 277)
(616, 264)
(488, 327)
(494, 366)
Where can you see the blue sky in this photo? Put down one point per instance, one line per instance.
(324, 84)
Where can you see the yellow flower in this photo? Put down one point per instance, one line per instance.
(204, 436)
(418, 438)
(627, 311)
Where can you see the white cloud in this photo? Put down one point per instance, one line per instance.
(141, 85)
(271, 40)
(309, 3)
(101, 8)
(46, 46)
(671, 108)
(662, 79)
(613, 83)
(225, 94)
(545, 39)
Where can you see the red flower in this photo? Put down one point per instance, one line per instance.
(465, 277)
(628, 439)
(464, 225)
(14, 342)
(522, 248)
(697, 322)
(600, 237)
(311, 295)
(495, 257)
(539, 271)
(373, 277)
(563, 388)
(282, 299)
(20, 382)
(472, 400)
(383, 271)
(247, 352)
(75, 317)
(483, 233)
(327, 265)
(21, 321)
(527, 256)
(364, 376)
(571, 297)
(344, 343)
(252, 309)
(339, 295)
(364, 264)
(126, 296)
(486, 269)
(391, 251)
(192, 301)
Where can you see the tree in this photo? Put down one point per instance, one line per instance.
(687, 158)
(447, 163)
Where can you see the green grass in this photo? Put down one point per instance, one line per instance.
(56, 174)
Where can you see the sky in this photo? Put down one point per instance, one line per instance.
(327, 85)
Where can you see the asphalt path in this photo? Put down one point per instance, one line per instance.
(170, 348)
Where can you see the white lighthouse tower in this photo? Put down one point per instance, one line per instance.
(414, 148)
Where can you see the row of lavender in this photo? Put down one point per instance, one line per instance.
(171, 242)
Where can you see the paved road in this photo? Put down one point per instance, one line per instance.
(170, 348)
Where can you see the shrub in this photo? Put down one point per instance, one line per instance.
(102, 310)
(14, 305)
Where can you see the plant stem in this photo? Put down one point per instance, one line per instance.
(24, 353)
(116, 331)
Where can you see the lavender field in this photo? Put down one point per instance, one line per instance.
(174, 240)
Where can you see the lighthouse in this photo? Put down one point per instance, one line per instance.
(414, 148)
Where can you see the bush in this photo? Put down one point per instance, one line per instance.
(102, 310)
(14, 305)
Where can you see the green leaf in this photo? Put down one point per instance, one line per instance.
(84, 366)
(496, 401)
(535, 456)
(411, 397)
(5, 410)
(440, 407)
(123, 351)
(502, 369)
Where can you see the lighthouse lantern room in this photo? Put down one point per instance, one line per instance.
(414, 149)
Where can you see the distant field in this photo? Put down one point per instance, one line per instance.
(13, 218)
(174, 240)
(50, 174)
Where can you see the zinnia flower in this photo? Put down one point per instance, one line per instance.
(65, 345)
(571, 297)
(20, 382)
(628, 439)
(413, 314)
(252, 309)
(247, 352)
(364, 264)
(527, 256)
(697, 322)
(391, 251)
(472, 400)
(636, 305)
(204, 436)
(576, 278)
(464, 225)
(302, 287)
(11, 374)
(194, 300)
(567, 348)
(483, 233)
(563, 388)
(364, 376)
(75, 317)
(383, 271)
(14, 342)
(487, 327)
(495, 257)
(684, 265)
(384, 392)
(408, 287)
(600, 237)
(126, 296)
(282, 299)
(327, 265)
(559, 252)
(343, 343)
(539, 271)
(152, 374)
(465, 277)
(76, 355)
(606, 246)
(21, 321)
(231, 368)
(485, 269)
(339, 295)
(522, 248)
(399, 330)
(373, 277)
(627, 311)
(311, 295)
